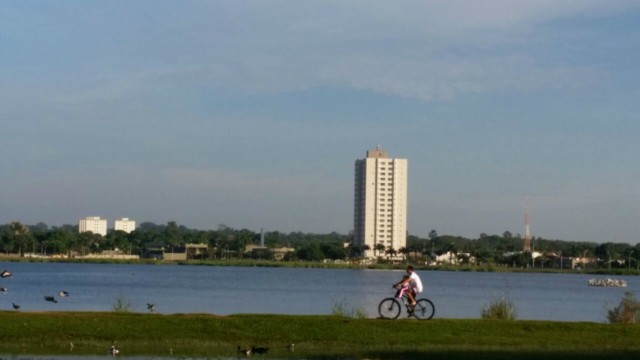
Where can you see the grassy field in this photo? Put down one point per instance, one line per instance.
(329, 337)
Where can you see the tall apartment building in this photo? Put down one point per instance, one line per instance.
(380, 206)
(124, 224)
(93, 224)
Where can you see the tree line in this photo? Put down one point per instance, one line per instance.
(20, 239)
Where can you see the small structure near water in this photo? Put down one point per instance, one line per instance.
(607, 282)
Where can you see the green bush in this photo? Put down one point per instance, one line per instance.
(121, 304)
(340, 308)
(627, 311)
(500, 308)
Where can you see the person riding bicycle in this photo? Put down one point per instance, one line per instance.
(414, 284)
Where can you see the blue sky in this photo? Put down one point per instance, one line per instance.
(252, 113)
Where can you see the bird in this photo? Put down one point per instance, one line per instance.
(63, 293)
(15, 306)
(4, 290)
(51, 299)
(245, 352)
(113, 351)
(5, 274)
(151, 307)
(259, 350)
(291, 347)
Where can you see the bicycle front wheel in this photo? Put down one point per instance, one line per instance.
(389, 308)
(424, 309)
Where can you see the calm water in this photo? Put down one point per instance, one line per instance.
(229, 290)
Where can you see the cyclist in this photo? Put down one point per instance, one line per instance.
(412, 280)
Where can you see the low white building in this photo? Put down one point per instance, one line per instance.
(93, 224)
(125, 224)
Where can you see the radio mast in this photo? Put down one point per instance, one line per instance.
(526, 247)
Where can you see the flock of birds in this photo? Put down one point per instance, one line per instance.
(52, 298)
(113, 350)
(6, 273)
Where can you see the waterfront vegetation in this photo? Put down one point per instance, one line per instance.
(384, 265)
(228, 246)
(627, 311)
(499, 308)
(198, 335)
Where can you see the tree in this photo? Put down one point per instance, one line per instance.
(333, 250)
(391, 252)
(21, 235)
(404, 251)
(433, 235)
(379, 247)
(172, 235)
(310, 252)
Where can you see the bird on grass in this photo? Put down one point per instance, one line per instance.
(245, 352)
(15, 306)
(259, 350)
(51, 299)
(5, 274)
(151, 308)
(63, 294)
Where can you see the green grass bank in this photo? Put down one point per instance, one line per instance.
(330, 337)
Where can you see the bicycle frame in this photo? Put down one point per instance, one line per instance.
(423, 310)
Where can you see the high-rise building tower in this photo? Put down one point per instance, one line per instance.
(93, 224)
(380, 206)
(124, 224)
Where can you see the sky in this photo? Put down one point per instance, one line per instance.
(252, 113)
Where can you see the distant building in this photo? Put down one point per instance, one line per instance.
(380, 202)
(93, 224)
(125, 224)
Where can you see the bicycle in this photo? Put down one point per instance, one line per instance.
(390, 308)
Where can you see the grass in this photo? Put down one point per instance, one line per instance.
(329, 337)
(341, 308)
(499, 308)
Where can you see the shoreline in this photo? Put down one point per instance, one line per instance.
(328, 265)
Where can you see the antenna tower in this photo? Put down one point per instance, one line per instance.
(526, 247)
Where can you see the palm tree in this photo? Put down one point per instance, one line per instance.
(18, 228)
(404, 251)
(20, 232)
(390, 252)
(365, 248)
(379, 247)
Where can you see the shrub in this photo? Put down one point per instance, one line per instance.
(627, 311)
(121, 304)
(500, 309)
(340, 309)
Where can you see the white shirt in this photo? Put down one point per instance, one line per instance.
(415, 282)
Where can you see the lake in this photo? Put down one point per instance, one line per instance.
(230, 290)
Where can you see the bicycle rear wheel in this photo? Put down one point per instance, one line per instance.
(389, 308)
(424, 309)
